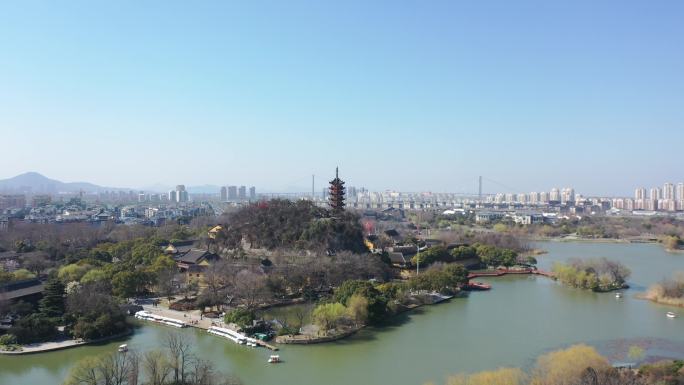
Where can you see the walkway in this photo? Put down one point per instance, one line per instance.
(60, 345)
(192, 318)
(501, 272)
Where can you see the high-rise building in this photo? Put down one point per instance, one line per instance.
(567, 195)
(544, 197)
(181, 194)
(554, 196)
(680, 191)
(534, 197)
(224, 194)
(172, 196)
(522, 198)
(242, 192)
(668, 191)
(656, 193)
(232, 193)
(252, 193)
(640, 193)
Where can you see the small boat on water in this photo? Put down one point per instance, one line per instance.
(123, 348)
(618, 295)
(274, 359)
(671, 314)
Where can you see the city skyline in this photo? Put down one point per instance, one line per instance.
(670, 192)
(399, 96)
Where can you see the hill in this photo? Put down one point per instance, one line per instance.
(33, 182)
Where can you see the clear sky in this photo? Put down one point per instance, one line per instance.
(407, 95)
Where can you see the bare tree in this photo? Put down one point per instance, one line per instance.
(156, 367)
(180, 355)
(250, 287)
(36, 263)
(111, 369)
(165, 282)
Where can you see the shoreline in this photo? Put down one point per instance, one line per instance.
(644, 297)
(307, 340)
(61, 345)
(586, 240)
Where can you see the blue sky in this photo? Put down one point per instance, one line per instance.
(407, 95)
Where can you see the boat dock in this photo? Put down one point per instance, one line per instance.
(238, 337)
(197, 322)
(147, 316)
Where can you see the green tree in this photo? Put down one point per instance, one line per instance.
(95, 275)
(328, 315)
(72, 272)
(22, 274)
(241, 317)
(128, 284)
(357, 309)
(52, 305)
(34, 328)
(377, 303)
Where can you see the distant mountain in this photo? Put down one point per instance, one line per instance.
(33, 182)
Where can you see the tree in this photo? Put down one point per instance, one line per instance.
(128, 284)
(328, 315)
(22, 274)
(36, 263)
(250, 287)
(166, 286)
(377, 303)
(180, 355)
(503, 376)
(241, 317)
(565, 367)
(357, 309)
(95, 275)
(34, 328)
(156, 367)
(52, 304)
(72, 272)
(110, 369)
(92, 313)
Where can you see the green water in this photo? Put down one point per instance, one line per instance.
(520, 318)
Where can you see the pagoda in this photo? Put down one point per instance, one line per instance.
(336, 199)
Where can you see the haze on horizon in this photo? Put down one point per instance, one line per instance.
(411, 96)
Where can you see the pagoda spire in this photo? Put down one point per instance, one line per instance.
(337, 192)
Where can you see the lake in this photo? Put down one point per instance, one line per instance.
(519, 319)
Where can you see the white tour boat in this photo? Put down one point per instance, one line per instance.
(274, 359)
(147, 316)
(671, 314)
(123, 348)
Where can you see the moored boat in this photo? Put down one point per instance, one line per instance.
(274, 359)
(618, 295)
(671, 314)
(123, 348)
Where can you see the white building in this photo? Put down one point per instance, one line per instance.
(668, 191)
